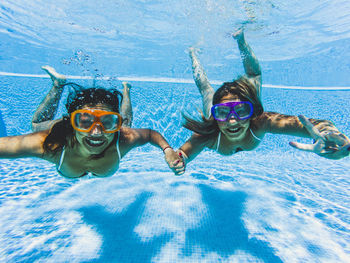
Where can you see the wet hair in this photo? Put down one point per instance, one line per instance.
(92, 96)
(62, 132)
(243, 88)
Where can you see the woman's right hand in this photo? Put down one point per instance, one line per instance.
(174, 160)
(57, 79)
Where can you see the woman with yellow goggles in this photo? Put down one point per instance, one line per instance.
(92, 138)
(85, 120)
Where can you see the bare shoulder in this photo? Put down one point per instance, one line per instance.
(128, 133)
(259, 124)
(202, 140)
(264, 122)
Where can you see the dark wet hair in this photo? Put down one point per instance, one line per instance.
(62, 132)
(81, 96)
(241, 87)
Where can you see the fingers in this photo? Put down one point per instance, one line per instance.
(179, 172)
(329, 152)
(302, 146)
(345, 150)
(178, 167)
(175, 161)
(339, 153)
(336, 138)
(318, 147)
(311, 128)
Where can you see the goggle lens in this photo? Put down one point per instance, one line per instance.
(110, 121)
(84, 120)
(221, 112)
(243, 110)
(240, 110)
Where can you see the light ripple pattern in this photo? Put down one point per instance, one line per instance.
(273, 204)
(248, 210)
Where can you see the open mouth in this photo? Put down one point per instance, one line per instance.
(94, 142)
(233, 130)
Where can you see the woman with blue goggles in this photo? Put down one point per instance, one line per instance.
(234, 120)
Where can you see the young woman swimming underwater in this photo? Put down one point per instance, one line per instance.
(91, 138)
(234, 120)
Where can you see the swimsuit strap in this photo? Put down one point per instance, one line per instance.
(256, 137)
(118, 145)
(218, 141)
(63, 153)
(219, 138)
(61, 159)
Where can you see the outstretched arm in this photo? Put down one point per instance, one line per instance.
(250, 62)
(329, 142)
(155, 138)
(45, 113)
(192, 147)
(29, 145)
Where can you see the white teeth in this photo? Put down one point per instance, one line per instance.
(93, 142)
(233, 130)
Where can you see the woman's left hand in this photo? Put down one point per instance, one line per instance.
(175, 162)
(328, 144)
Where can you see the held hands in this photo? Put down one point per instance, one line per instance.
(57, 79)
(331, 145)
(175, 162)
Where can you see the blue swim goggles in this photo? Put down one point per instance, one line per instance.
(241, 110)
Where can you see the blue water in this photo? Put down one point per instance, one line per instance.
(2, 127)
(273, 204)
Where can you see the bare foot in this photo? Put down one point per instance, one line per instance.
(193, 51)
(57, 79)
(126, 86)
(238, 34)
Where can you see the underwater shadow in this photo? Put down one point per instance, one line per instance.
(120, 242)
(223, 230)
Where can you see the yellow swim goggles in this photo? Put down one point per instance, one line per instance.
(85, 120)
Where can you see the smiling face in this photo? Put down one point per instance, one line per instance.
(234, 129)
(96, 140)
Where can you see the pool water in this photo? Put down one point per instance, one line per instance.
(273, 204)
